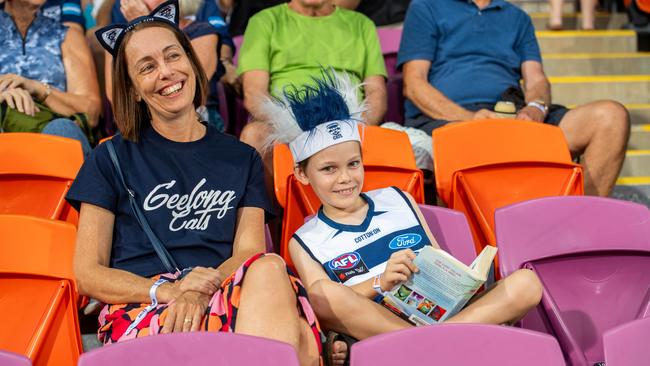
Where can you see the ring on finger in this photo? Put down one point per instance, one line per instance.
(187, 320)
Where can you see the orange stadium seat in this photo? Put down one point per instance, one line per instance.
(484, 165)
(35, 174)
(38, 309)
(387, 159)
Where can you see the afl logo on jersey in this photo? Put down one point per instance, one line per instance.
(345, 261)
(405, 241)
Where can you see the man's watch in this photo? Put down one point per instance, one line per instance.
(539, 104)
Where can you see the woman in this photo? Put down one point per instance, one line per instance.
(203, 195)
(43, 61)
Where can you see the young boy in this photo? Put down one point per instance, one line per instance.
(343, 254)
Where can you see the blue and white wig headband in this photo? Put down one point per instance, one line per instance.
(111, 36)
(313, 118)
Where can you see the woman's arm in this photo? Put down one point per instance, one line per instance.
(249, 239)
(91, 264)
(83, 89)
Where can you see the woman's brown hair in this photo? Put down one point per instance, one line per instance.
(130, 115)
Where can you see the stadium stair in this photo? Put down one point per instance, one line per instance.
(588, 65)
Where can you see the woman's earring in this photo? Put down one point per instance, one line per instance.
(138, 98)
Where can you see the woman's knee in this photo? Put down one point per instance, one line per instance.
(524, 289)
(270, 265)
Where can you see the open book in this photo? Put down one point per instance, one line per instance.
(441, 288)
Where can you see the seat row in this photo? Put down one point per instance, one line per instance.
(446, 344)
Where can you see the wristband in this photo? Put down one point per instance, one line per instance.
(543, 108)
(376, 285)
(149, 308)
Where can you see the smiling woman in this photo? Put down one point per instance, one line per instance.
(202, 194)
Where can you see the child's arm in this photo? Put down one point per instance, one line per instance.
(308, 269)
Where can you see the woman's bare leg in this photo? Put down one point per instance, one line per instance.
(555, 16)
(509, 300)
(268, 308)
(341, 309)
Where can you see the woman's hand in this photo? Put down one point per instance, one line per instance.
(132, 9)
(398, 269)
(19, 99)
(203, 280)
(186, 312)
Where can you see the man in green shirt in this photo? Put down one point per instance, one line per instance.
(288, 43)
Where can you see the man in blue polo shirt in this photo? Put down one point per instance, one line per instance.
(459, 57)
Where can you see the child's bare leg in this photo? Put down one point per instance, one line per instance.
(509, 300)
(341, 309)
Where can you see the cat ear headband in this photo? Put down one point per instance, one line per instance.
(313, 118)
(110, 37)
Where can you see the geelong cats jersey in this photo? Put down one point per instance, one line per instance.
(351, 254)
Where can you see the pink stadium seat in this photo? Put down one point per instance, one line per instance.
(389, 38)
(238, 40)
(451, 231)
(13, 359)
(194, 348)
(627, 345)
(458, 345)
(593, 257)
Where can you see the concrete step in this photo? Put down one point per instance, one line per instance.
(582, 89)
(639, 137)
(597, 41)
(637, 164)
(531, 7)
(635, 189)
(639, 113)
(582, 64)
(573, 20)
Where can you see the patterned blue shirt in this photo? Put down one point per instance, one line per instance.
(38, 56)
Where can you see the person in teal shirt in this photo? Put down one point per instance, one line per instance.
(289, 43)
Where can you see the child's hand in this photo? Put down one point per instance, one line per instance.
(398, 269)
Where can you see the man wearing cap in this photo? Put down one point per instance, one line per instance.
(460, 57)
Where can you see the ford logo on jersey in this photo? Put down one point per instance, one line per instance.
(345, 261)
(405, 241)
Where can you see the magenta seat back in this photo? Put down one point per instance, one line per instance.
(593, 257)
(395, 108)
(194, 348)
(389, 39)
(451, 230)
(627, 345)
(13, 359)
(237, 40)
(458, 345)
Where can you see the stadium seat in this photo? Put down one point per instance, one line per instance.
(38, 309)
(194, 348)
(36, 173)
(389, 38)
(387, 159)
(13, 359)
(627, 345)
(458, 345)
(593, 257)
(483, 165)
(451, 231)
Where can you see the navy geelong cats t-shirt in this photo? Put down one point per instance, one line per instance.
(189, 193)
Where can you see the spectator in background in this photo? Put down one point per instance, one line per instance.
(69, 12)
(42, 60)
(587, 9)
(459, 58)
(287, 45)
(381, 12)
(203, 24)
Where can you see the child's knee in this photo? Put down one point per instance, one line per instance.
(525, 289)
(325, 296)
